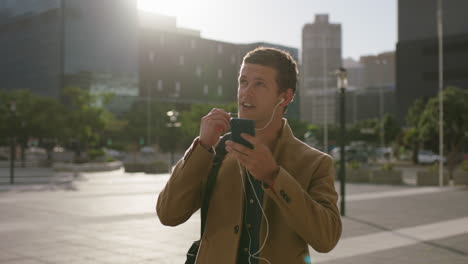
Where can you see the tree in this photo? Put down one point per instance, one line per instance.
(455, 123)
(391, 128)
(35, 117)
(49, 124)
(137, 123)
(86, 122)
(411, 136)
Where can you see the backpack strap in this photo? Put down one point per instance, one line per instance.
(217, 161)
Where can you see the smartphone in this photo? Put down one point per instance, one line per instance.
(242, 125)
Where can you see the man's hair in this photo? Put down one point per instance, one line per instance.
(281, 61)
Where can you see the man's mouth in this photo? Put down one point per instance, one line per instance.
(247, 105)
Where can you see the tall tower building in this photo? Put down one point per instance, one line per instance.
(321, 56)
(417, 54)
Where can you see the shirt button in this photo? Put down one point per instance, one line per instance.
(249, 226)
(251, 201)
(236, 229)
(246, 249)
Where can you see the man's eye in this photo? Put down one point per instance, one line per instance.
(243, 82)
(260, 84)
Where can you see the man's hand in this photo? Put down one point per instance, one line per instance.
(212, 126)
(259, 161)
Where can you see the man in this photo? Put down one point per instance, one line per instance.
(269, 202)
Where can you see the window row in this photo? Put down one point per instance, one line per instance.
(181, 59)
(178, 87)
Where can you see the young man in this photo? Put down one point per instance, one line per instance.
(270, 202)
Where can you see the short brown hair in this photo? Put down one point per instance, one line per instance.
(281, 61)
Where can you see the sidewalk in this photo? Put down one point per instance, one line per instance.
(110, 218)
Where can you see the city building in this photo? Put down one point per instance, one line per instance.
(133, 54)
(321, 56)
(417, 50)
(48, 45)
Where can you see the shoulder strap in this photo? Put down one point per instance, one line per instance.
(218, 159)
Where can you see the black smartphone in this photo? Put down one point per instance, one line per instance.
(242, 125)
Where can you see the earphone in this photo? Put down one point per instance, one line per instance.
(272, 114)
(264, 215)
(256, 197)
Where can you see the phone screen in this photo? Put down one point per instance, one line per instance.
(242, 125)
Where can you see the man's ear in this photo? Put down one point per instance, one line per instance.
(288, 96)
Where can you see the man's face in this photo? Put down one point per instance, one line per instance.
(257, 94)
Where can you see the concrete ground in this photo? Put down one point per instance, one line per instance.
(110, 218)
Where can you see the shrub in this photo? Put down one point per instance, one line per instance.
(157, 167)
(387, 167)
(354, 164)
(93, 154)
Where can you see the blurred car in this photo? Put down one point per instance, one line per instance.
(428, 157)
(352, 154)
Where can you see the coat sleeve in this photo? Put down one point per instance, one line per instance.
(312, 213)
(182, 195)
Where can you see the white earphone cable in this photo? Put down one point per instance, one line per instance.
(263, 213)
(272, 115)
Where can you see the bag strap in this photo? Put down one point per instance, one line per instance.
(218, 159)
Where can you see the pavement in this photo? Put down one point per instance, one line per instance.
(109, 217)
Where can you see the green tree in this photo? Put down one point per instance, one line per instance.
(137, 123)
(35, 117)
(86, 122)
(411, 136)
(365, 130)
(391, 128)
(455, 123)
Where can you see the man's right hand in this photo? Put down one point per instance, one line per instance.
(212, 126)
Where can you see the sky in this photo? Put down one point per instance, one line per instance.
(368, 26)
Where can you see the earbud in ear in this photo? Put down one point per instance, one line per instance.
(281, 101)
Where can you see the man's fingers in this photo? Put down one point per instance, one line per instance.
(219, 124)
(239, 147)
(251, 139)
(241, 157)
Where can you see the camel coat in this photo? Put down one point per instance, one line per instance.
(301, 207)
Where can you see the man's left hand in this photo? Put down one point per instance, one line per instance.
(258, 161)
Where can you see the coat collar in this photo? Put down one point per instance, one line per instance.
(286, 136)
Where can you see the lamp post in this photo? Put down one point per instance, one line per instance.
(342, 83)
(13, 142)
(172, 114)
(440, 37)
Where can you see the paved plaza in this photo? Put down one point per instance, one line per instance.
(109, 217)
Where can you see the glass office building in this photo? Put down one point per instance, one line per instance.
(93, 45)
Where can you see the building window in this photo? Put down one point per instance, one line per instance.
(181, 60)
(220, 49)
(177, 89)
(160, 85)
(193, 44)
(205, 89)
(151, 56)
(198, 71)
(220, 74)
(220, 90)
(233, 59)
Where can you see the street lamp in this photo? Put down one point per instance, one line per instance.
(342, 82)
(13, 142)
(173, 114)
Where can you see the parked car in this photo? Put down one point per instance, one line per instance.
(428, 157)
(352, 154)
